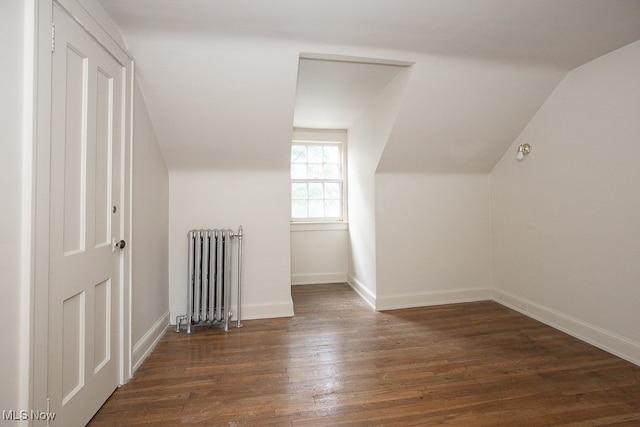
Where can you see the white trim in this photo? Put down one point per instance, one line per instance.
(28, 237)
(354, 59)
(606, 340)
(90, 17)
(149, 340)
(267, 311)
(396, 302)
(365, 293)
(305, 135)
(102, 18)
(310, 279)
(126, 370)
(319, 226)
(594, 335)
(40, 305)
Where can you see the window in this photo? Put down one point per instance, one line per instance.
(317, 181)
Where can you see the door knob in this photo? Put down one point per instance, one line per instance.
(120, 245)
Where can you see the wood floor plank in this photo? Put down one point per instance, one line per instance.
(337, 362)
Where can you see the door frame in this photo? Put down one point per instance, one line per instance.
(97, 25)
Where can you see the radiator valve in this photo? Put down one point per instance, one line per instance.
(179, 320)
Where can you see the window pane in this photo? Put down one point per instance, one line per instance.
(315, 154)
(299, 209)
(299, 154)
(316, 209)
(332, 190)
(330, 171)
(299, 171)
(314, 171)
(315, 190)
(331, 154)
(332, 208)
(299, 190)
(312, 166)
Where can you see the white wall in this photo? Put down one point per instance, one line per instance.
(257, 200)
(240, 118)
(466, 110)
(150, 241)
(445, 133)
(367, 138)
(433, 239)
(459, 115)
(566, 219)
(16, 215)
(319, 253)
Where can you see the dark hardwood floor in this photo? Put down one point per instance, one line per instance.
(337, 362)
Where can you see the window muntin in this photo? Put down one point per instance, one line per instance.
(316, 182)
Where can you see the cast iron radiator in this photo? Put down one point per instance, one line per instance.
(209, 281)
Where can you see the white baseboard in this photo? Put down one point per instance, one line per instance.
(148, 341)
(267, 311)
(250, 312)
(310, 279)
(364, 292)
(594, 335)
(396, 302)
(598, 337)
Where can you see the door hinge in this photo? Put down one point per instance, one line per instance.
(53, 37)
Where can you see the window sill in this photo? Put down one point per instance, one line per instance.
(319, 226)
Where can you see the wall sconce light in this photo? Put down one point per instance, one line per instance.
(523, 150)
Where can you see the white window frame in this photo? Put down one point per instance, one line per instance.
(319, 137)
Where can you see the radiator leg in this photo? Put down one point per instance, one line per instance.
(227, 279)
(238, 309)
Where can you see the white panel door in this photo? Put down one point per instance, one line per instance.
(84, 277)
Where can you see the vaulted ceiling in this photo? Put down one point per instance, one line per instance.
(333, 93)
(220, 77)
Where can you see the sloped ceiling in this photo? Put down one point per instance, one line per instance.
(332, 94)
(219, 76)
